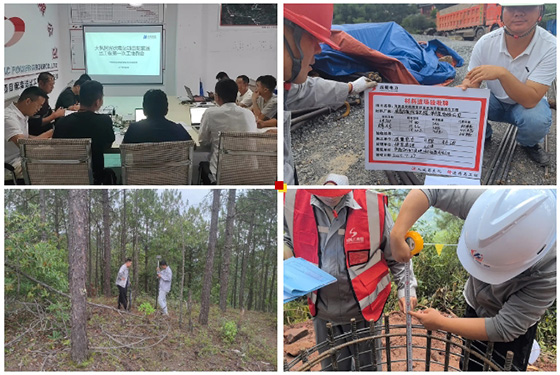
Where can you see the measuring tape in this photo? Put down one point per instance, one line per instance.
(416, 244)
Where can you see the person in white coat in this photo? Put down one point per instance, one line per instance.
(122, 283)
(164, 275)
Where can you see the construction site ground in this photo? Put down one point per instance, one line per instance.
(325, 145)
(398, 355)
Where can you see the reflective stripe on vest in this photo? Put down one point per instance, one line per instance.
(367, 268)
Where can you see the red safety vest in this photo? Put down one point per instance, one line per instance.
(366, 266)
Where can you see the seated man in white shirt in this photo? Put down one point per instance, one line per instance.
(245, 94)
(16, 116)
(265, 103)
(226, 117)
(518, 63)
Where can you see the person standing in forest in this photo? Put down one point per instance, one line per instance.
(122, 283)
(164, 275)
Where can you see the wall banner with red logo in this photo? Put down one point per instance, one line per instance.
(427, 129)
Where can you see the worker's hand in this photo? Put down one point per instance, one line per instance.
(413, 303)
(59, 113)
(254, 97)
(48, 133)
(362, 84)
(399, 247)
(74, 107)
(431, 319)
(288, 252)
(485, 73)
(157, 269)
(159, 275)
(260, 123)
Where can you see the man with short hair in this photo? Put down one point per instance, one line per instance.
(221, 76)
(518, 63)
(245, 94)
(70, 97)
(508, 247)
(16, 116)
(155, 127)
(164, 275)
(226, 117)
(123, 282)
(44, 118)
(265, 102)
(86, 123)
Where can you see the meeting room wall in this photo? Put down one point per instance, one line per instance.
(45, 46)
(206, 48)
(31, 45)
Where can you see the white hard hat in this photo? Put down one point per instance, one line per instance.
(506, 232)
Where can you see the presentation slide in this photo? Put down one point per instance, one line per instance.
(124, 54)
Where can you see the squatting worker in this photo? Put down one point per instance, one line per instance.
(346, 233)
(305, 26)
(164, 275)
(123, 283)
(508, 247)
(518, 63)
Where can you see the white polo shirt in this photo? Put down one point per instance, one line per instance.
(245, 99)
(229, 117)
(537, 63)
(15, 123)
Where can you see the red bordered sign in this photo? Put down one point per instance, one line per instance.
(429, 129)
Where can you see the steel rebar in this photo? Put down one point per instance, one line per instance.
(428, 350)
(387, 343)
(494, 165)
(330, 340)
(507, 158)
(404, 178)
(488, 356)
(468, 344)
(391, 177)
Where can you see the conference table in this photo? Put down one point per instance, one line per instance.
(125, 112)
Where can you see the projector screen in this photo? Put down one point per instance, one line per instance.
(124, 54)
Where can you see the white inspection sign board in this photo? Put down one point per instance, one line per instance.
(428, 129)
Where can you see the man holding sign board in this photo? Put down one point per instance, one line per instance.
(518, 63)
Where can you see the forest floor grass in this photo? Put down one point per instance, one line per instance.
(123, 342)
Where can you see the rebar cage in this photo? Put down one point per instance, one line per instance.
(378, 341)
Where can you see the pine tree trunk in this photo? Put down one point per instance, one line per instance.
(207, 282)
(123, 228)
(224, 275)
(106, 243)
(244, 265)
(43, 206)
(78, 222)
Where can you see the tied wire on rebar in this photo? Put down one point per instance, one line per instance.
(481, 354)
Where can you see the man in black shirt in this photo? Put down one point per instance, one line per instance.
(70, 97)
(43, 120)
(155, 128)
(87, 124)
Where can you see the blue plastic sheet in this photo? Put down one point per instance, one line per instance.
(392, 40)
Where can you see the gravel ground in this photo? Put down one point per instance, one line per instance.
(325, 145)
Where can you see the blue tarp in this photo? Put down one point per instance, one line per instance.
(392, 40)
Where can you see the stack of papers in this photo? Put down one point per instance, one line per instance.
(302, 277)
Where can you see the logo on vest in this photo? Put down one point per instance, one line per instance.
(354, 237)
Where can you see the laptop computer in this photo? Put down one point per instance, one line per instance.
(196, 115)
(193, 98)
(139, 114)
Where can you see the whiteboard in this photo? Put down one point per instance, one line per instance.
(81, 14)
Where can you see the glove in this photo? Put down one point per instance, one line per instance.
(362, 84)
